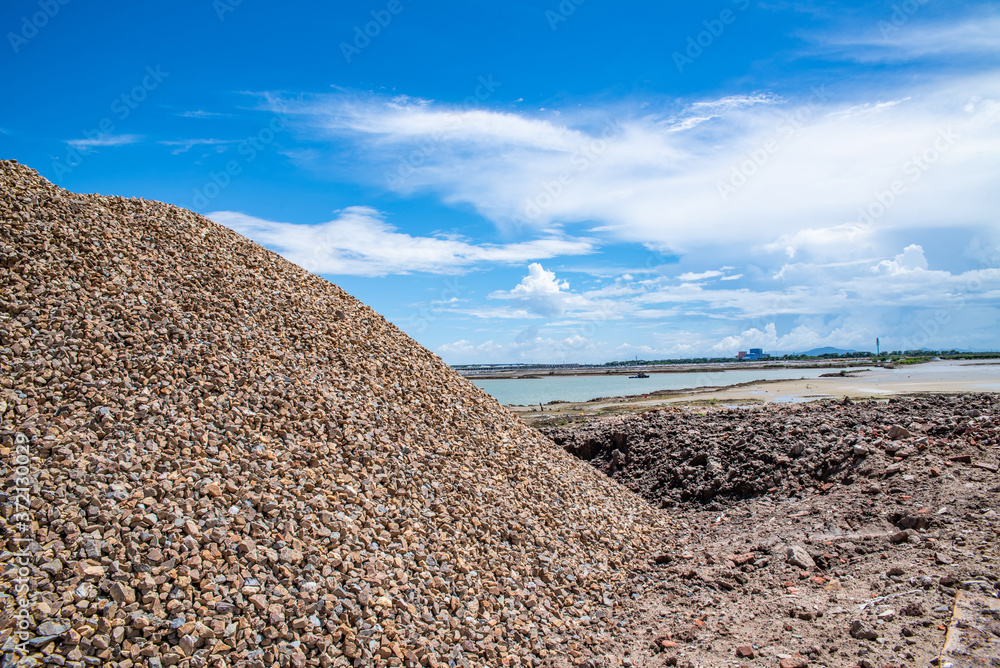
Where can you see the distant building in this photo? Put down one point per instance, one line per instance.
(741, 355)
(754, 355)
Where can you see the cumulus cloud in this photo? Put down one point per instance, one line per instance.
(911, 259)
(835, 241)
(359, 242)
(542, 293)
(751, 338)
(799, 290)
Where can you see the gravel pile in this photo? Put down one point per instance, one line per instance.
(678, 456)
(235, 463)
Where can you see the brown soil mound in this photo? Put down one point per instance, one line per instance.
(233, 462)
(678, 456)
(824, 534)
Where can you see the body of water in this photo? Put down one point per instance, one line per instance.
(529, 391)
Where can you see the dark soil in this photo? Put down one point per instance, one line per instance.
(680, 456)
(795, 524)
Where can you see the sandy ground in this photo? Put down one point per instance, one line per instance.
(942, 377)
(932, 377)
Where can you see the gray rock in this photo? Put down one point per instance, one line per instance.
(897, 432)
(51, 628)
(797, 556)
(903, 536)
(862, 630)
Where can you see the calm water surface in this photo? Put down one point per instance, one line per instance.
(527, 391)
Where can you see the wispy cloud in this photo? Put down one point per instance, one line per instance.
(401, 119)
(185, 145)
(104, 140)
(692, 277)
(763, 169)
(359, 242)
(700, 112)
(200, 113)
(902, 36)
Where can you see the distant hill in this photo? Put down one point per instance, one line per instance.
(815, 352)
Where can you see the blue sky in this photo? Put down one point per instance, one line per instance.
(556, 181)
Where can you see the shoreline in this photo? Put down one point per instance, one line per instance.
(882, 383)
(529, 374)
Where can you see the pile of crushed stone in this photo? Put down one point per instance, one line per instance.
(232, 462)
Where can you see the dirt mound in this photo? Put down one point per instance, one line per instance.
(678, 456)
(826, 534)
(231, 462)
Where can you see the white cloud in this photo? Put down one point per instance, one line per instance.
(185, 145)
(808, 333)
(734, 102)
(528, 346)
(911, 259)
(692, 277)
(701, 112)
(542, 293)
(104, 140)
(751, 338)
(814, 289)
(835, 241)
(201, 113)
(403, 118)
(629, 349)
(803, 290)
(360, 243)
(902, 36)
(757, 172)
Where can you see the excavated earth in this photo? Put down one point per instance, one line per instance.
(822, 534)
(211, 457)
